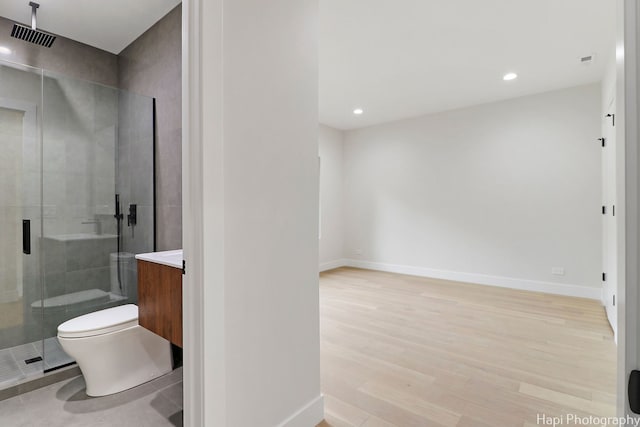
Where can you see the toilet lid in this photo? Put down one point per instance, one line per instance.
(100, 322)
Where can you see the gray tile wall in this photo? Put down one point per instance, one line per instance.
(11, 122)
(65, 56)
(79, 148)
(151, 66)
(134, 180)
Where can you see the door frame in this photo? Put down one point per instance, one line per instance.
(627, 174)
(610, 221)
(192, 294)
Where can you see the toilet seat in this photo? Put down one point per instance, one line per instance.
(100, 322)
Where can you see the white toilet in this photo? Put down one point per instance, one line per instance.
(113, 351)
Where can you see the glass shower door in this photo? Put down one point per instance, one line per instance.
(69, 148)
(97, 148)
(79, 137)
(21, 345)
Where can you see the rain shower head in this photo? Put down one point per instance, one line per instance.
(32, 35)
(25, 33)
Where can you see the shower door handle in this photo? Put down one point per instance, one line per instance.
(26, 236)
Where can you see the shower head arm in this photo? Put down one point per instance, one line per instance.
(34, 8)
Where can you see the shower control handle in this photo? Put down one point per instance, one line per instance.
(132, 218)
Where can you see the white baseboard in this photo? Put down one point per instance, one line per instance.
(483, 279)
(332, 264)
(310, 415)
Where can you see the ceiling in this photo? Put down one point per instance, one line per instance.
(404, 58)
(397, 59)
(110, 25)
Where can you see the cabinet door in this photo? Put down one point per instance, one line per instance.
(160, 300)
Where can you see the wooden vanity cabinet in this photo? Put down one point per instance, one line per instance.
(160, 300)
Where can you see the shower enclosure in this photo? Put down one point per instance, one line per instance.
(76, 204)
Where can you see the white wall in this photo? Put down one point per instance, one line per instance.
(251, 214)
(503, 191)
(608, 84)
(271, 210)
(331, 212)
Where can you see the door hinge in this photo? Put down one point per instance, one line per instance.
(614, 300)
(603, 141)
(604, 277)
(613, 119)
(184, 267)
(604, 210)
(613, 210)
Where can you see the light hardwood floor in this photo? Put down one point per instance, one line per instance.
(408, 351)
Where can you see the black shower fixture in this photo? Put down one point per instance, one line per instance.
(32, 34)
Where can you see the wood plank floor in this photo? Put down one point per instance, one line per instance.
(409, 351)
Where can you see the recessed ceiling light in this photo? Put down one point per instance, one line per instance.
(5, 50)
(358, 111)
(510, 76)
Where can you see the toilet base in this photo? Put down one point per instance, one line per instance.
(120, 360)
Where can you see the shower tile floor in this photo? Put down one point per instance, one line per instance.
(157, 403)
(14, 370)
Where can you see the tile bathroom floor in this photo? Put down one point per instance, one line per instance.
(65, 404)
(14, 369)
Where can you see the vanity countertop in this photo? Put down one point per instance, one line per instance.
(170, 258)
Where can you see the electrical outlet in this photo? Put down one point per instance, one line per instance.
(358, 251)
(557, 271)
